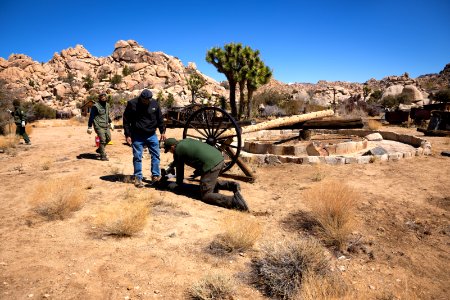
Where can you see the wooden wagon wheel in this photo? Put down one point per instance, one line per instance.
(208, 125)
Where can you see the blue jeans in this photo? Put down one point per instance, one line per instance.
(138, 145)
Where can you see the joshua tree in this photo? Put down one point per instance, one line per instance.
(366, 91)
(226, 61)
(195, 82)
(258, 75)
(240, 65)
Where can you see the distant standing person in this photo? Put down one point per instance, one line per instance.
(99, 117)
(141, 119)
(20, 120)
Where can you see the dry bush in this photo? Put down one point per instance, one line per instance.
(319, 174)
(8, 142)
(240, 232)
(333, 205)
(281, 269)
(58, 198)
(327, 287)
(12, 129)
(76, 121)
(121, 219)
(374, 124)
(46, 164)
(213, 286)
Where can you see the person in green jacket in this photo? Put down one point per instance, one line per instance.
(99, 117)
(20, 120)
(208, 162)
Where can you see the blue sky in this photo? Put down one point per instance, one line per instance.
(301, 41)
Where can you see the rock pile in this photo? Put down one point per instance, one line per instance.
(48, 82)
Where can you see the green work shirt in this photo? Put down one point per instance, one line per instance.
(101, 115)
(195, 154)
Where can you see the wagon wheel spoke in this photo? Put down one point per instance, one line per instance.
(199, 130)
(218, 127)
(211, 123)
(196, 137)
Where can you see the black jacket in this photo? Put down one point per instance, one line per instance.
(141, 119)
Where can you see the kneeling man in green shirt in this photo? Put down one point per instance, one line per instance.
(208, 162)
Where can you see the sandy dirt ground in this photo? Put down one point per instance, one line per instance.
(403, 233)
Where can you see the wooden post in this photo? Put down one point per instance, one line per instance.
(285, 121)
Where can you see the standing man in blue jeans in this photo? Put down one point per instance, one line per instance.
(141, 118)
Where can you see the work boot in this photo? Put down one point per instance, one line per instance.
(238, 202)
(138, 183)
(235, 187)
(104, 158)
(155, 178)
(98, 150)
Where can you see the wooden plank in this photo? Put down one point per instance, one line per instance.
(285, 121)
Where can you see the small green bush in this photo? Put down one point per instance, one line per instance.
(88, 82)
(126, 71)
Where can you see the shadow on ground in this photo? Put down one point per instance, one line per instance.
(87, 156)
(118, 178)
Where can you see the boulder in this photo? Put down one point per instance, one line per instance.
(393, 90)
(412, 92)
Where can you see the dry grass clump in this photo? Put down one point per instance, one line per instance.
(12, 130)
(319, 174)
(46, 164)
(374, 124)
(213, 286)
(8, 142)
(328, 287)
(121, 219)
(58, 198)
(282, 268)
(333, 205)
(240, 232)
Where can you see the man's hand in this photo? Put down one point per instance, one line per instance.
(129, 141)
(10, 111)
(170, 170)
(23, 123)
(163, 137)
(89, 130)
(111, 125)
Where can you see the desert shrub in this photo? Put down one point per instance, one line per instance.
(394, 101)
(88, 82)
(328, 287)
(282, 267)
(8, 142)
(46, 164)
(213, 286)
(121, 219)
(333, 205)
(442, 96)
(374, 124)
(39, 111)
(58, 198)
(240, 232)
(293, 107)
(12, 129)
(126, 71)
(118, 103)
(375, 97)
(116, 79)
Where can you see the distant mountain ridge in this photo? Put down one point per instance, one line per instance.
(165, 74)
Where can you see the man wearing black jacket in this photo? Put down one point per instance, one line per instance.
(141, 118)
